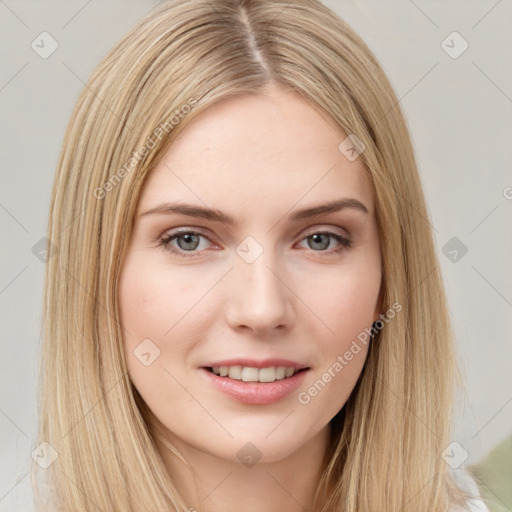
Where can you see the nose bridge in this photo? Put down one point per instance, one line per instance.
(258, 296)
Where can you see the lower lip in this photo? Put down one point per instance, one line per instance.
(256, 393)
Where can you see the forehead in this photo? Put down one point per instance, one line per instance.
(258, 151)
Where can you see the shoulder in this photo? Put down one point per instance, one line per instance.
(467, 483)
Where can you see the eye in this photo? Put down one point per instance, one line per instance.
(189, 240)
(320, 240)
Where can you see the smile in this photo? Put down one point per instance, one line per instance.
(251, 374)
(256, 391)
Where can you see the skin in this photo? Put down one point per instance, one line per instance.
(256, 158)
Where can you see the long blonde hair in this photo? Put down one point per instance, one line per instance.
(186, 55)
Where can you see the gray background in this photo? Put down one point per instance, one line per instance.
(458, 111)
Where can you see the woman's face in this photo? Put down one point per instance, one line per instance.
(264, 291)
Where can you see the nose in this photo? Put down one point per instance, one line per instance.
(258, 297)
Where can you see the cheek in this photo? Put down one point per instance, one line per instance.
(155, 306)
(151, 299)
(354, 299)
(142, 305)
(346, 302)
(147, 312)
(349, 312)
(346, 305)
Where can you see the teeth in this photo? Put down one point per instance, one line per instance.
(280, 372)
(264, 374)
(235, 372)
(249, 374)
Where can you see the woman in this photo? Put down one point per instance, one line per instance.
(246, 296)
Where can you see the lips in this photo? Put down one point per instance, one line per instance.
(256, 382)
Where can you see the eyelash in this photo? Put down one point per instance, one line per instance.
(345, 242)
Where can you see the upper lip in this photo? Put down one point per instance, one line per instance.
(254, 363)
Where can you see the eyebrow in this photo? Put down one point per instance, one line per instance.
(219, 216)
